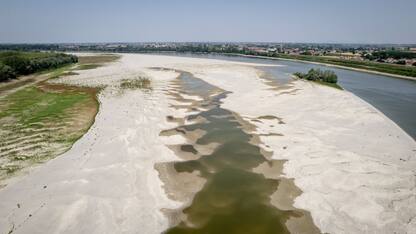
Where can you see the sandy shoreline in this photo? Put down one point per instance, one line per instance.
(355, 167)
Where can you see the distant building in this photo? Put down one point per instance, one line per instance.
(271, 50)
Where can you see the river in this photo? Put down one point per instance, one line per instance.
(396, 98)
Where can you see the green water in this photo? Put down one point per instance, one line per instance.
(234, 199)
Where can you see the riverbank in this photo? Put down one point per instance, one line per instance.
(354, 167)
(41, 120)
(325, 64)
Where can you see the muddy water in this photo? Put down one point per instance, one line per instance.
(236, 196)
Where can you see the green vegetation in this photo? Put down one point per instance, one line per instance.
(333, 85)
(366, 65)
(139, 83)
(327, 77)
(6, 72)
(381, 55)
(375, 62)
(62, 71)
(87, 66)
(32, 105)
(94, 61)
(42, 121)
(14, 63)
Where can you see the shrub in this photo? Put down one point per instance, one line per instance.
(19, 64)
(329, 76)
(139, 83)
(299, 75)
(6, 73)
(313, 74)
(318, 75)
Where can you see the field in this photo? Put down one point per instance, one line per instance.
(40, 120)
(94, 61)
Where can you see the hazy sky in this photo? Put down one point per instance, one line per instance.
(354, 21)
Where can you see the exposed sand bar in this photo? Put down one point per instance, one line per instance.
(356, 168)
(107, 182)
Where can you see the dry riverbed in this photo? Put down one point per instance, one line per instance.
(187, 145)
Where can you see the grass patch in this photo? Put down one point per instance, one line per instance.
(104, 58)
(139, 83)
(55, 73)
(10, 169)
(94, 61)
(32, 105)
(87, 66)
(41, 121)
(329, 84)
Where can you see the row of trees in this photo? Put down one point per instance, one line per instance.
(318, 75)
(393, 54)
(13, 64)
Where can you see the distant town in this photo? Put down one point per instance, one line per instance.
(392, 59)
(384, 53)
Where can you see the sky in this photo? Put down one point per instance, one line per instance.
(318, 21)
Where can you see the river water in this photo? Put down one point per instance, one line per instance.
(396, 98)
(236, 197)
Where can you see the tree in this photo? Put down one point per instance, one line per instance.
(329, 77)
(6, 73)
(313, 74)
(19, 64)
(318, 75)
(14, 63)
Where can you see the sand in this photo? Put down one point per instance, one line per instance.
(355, 167)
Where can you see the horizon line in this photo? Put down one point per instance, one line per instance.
(208, 42)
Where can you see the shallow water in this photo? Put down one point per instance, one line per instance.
(234, 199)
(396, 98)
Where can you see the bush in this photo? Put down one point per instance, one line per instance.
(299, 75)
(313, 74)
(19, 64)
(318, 75)
(329, 77)
(6, 73)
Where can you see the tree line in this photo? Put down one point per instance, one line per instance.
(14, 64)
